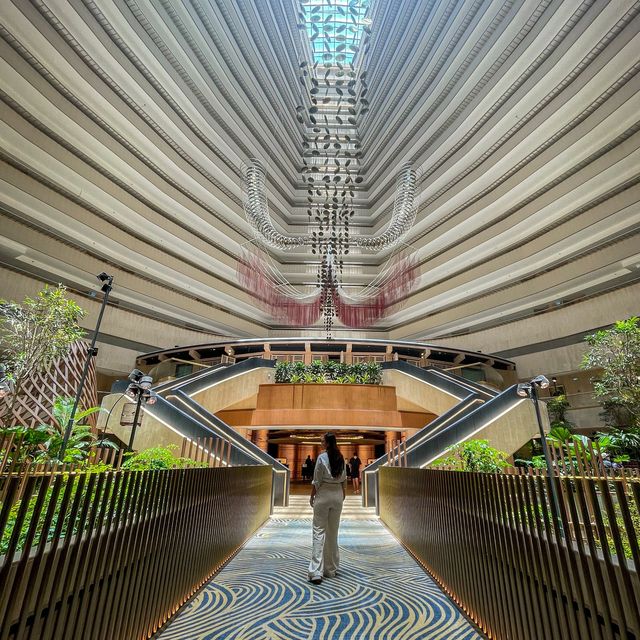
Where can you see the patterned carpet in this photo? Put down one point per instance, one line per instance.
(262, 594)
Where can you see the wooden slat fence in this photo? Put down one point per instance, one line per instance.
(112, 555)
(212, 452)
(492, 542)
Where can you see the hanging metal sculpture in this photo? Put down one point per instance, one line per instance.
(336, 88)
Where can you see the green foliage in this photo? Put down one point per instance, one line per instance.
(12, 519)
(36, 333)
(614, 415)
(27, 442)
(624, 535)
(573, 445)
(67, 528)
(316, 368)
(373, 372)
(557, 407)
(536, 462)
(62, 408)
(561, 436)
(157, 458)
(283, 371)
(621, 443)
(617, 352)
(342, 368)
(44, 442)
(330, 371)
(474, 455)
(310, 377)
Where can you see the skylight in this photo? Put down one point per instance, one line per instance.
(335, 29)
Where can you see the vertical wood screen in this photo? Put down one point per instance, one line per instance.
(492, 543)
(34, 405)
(113, 555)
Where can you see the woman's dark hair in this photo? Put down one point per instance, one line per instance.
(336, 460)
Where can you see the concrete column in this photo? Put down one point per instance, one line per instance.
(261, 438)
(365, 452)
(288, 451)
(389, 437)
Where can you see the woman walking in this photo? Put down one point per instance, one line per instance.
(327, 496)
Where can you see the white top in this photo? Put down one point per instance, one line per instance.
(322, 472)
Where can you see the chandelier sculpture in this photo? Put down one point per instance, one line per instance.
(260, 276)
(335, 87)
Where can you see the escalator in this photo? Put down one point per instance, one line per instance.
(176, 409)
(480, 411)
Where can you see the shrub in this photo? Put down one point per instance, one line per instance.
(474, 455)
(374, 373)
(330, 371)
(158, 458)
(283, 371)
(557, 407)
(621, 443)
(316, 368)
(44, 442)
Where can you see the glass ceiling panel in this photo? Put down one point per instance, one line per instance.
(335, 28)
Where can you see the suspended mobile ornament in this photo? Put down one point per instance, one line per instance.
(260, 277)
(257, 212)
(336, 86)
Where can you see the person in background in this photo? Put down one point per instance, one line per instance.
(327, 496)
(355, 463)
(307, 468)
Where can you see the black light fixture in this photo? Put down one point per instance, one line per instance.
(530, 390)
(140, 389)
(107, 285)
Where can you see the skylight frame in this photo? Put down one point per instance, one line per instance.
(339, 43)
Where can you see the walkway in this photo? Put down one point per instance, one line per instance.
(379, 594)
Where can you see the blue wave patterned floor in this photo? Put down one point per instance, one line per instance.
(379, 594)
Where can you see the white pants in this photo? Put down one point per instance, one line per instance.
(327, 508)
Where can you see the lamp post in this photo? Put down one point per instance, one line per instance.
(140, 389)
(107, 285)
(530, 390)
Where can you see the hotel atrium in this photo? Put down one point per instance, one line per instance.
(281, 193)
